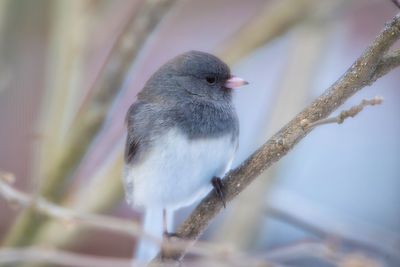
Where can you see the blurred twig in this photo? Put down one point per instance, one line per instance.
(345, 231)
(324, 251)
(325, 234)
(214, 252)
(78, 218)
(299, 250)
(352, 112)
(92, 115)
(99, 194)
(355, 78)
(64, 258)
(69, 216)
(56, 257)
(68, 37)
(396, 2)
(276, 18)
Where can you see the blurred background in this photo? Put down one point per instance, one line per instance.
(69, 70)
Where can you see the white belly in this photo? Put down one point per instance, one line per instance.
(178, 171)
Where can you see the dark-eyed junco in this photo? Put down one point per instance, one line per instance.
(182, 137)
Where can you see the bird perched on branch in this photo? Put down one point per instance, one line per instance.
(182, 137)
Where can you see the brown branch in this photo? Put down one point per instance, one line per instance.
(352, 112)
(361, 73)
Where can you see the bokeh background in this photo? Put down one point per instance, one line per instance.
(69, 70)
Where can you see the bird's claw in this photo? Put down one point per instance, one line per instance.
(219, 189)
(167, 235)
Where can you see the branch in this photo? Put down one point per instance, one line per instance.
(363, 72)
(11, 257)
(69, 216)
(327, 252)
(325, 233)
(386, 64)
(352, 112)
(13, 196)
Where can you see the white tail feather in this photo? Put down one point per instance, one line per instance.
(152, 224)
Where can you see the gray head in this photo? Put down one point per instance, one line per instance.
(192, 76)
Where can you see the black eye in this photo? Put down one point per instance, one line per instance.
(211, 79)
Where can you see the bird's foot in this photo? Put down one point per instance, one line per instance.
(219, 189)
(168, 236)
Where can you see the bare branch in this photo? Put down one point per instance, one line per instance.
(325, 251)
(360, 74)
(386, 64)
(327, 233)
(11, 256)
(17, 197)
(72, 217)
(352, 112)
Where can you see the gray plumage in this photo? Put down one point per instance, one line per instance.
(179, 95)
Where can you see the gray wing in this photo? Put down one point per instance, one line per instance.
(132, 149)
(132, 145)
(144, 123)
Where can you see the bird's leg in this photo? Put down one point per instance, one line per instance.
(166, 234)
(165, 224)
(219, 189)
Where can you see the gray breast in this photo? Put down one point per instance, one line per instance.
(201, 120)
(149, 121)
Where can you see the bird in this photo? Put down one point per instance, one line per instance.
(182, 135)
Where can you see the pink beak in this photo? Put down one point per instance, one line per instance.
(235, 82)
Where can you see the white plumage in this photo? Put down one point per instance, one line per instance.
(174, 173)
(177, 171)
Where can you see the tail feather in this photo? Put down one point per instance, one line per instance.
(152, 224)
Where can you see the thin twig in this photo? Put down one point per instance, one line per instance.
(396, 2)
(324, 251)
(386, 64)
(284, 13)
(57, 257)
(71, 217)
(65, 258)
(352, 112)
(20, 198)
(323, 234)
(355, 78)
